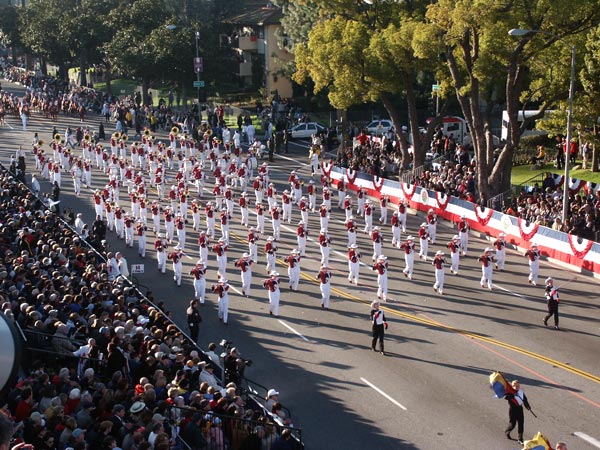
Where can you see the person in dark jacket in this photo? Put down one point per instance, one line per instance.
(194, 319)
(516, 417)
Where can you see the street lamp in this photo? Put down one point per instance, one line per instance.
(198, 65)
(523, 32)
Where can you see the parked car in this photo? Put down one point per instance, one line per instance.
(306, 130)
(379, 127)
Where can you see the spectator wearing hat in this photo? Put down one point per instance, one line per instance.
(379, 324)
(552, 300)
(271, 398)
(439, 263)
(500, 246)
(533, 257)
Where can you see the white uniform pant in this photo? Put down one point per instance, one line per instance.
(129, 236)
(181, 238)
(454, 260)
(260, 223)
(99, 210)
(276, 229)
(382, 286)
(360, 206)
(424, 247)
(312, 202)
(324, 255)
(439, 281)
(274, 302)
(376, 250)
(120, 228)
(432, 228)
(223, 312)
(384, 213)
(294, 274)
(210, 226)
(222, 266)
(287, 212)
(409, 259)
(396, 236)
(368, 224)
(324, 222)
(225, 232)
(351, 238)
(301, 245)
(486, 276)
(534, 270)
(204, 254)
(142, 246)
(169, 230)
(348, 212)
(304, 215)
(500, 258)
(325, 294)
(195, 220)
(270, 262)
(200, 289)
(341, 198)
(244, 220)
(246, 282)
(252, 248)
(161, 257)
(402, 219)
(177, 268)
(353, 269)
(464, 241)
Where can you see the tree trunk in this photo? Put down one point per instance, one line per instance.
(82, 68)
(145, 89)
(395, 118)
(43, 66)
(63, 72)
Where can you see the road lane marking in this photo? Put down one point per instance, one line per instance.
(510, 292)
(292, 330)
(371, 385)
(588, 439)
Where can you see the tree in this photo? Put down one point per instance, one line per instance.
(9, 28)
(361, 54)
(479, 57)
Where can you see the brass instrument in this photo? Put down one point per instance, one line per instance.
(57, 137)
(124, 137)
(218, 141)
(116, 135)
(40, 143)
(87, 138)
(62, 142)
(146, 132)
(175, 130)
(208, 132)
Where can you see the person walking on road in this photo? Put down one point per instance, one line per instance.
(379, 325)
(516, 417)
(500, 245)
(194, 319)
(272, 284)
(454, 246)
(199, 276)
(486, 260)
(553, 301)
(438, 263)
(533, 254)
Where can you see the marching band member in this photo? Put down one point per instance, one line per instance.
(224, 219)
(439, 263)
(199, 276)
(500, 245)
(361, 196)
(327, 197)
(324, 244)
(169, 224)
(303, 206)
(286, 202)
(324, 277)
(423, 241)
(180, 230)
(176, 257)
(109, 208)
(311, 190)
(381, 266)
(313, 157)
(76, 174)
(301, 235)
(396, 224)
(271, 251)
(260, 218)
(463, 232)
(141, 229)
(276, 221)
(297, 188)
(160, 245)
(409, 256)
(324, 215)
(119, 223)
(245, 266)
(243, 204)
(97, 196)
(272, 284)
(377, 239)
(353, 263)
(533, 255)
(203, 244)
(293, 262)
(128, 222)
(155, 210)
(351, 230)
(553, 302)
(431, 225)
(252, 244)
(221, 288)
(210, 219)
(220, 249)
(271, 195)
(183, 203)
(383, 202)
(368, 212)
(454, 246)
(143, 211)
(258, 189)
(195, 207)
(341, 186)
(486, 260)
(229, 201)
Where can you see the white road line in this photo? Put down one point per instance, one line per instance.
(8, 125)
(590, 440)
(292, 330)
(368, 383)
(509, 291)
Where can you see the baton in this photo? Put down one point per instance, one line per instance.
(567, 282)
(531, 411)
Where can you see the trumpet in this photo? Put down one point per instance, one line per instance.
(175, 130)
(57, 137)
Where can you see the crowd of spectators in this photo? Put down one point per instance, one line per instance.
(106, 368)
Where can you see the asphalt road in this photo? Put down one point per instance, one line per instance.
(431, 389)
